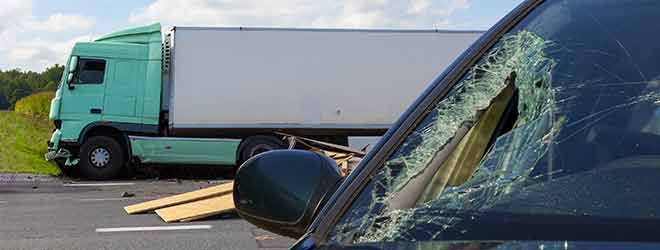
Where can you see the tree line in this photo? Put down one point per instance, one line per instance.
(16, 84)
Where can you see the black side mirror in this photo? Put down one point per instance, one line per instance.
(281, 190)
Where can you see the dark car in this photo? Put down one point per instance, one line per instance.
(545, 134)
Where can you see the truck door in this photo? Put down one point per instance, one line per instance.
(122, 94)
(83, 98)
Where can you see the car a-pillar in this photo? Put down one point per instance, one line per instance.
(104, 154)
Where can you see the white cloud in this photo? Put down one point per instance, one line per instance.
(302, 13)
(14, 13)
(25, 41)
(418, 6)
(36, 54)
(60, 22)
(453, 6)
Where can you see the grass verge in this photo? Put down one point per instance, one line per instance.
(23, 144)
(37, 104)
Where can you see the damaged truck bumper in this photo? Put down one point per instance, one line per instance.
(63, 154)
(56, 152)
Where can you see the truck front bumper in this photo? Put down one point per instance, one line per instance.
(54, 150)
(54, 154)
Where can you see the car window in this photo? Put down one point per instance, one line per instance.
(558, 122)
(91, 71)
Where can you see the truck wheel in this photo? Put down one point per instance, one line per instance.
(255, 145)
(69, 171)
(101, 158)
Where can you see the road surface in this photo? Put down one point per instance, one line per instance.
(54, 214)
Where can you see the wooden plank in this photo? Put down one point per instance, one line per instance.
(204, 216)
(198, 209)
(180, 198)
(327, 145)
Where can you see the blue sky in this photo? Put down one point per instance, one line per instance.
(38, 33)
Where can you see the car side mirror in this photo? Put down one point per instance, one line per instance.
(282, 190)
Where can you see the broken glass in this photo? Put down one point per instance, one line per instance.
(521, 54)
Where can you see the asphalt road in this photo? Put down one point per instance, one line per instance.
(54, 214)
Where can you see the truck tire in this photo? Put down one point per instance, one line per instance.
(255, 145)
(101, 158)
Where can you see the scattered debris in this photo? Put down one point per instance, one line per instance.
(127, 194)
(264, 237)
(197, 209)
(346, 158)
(175, 180)
(216, 200)
(189, 206)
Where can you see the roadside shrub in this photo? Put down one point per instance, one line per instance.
(37, 104)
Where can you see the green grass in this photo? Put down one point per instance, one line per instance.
(37, 104)
(23, 144)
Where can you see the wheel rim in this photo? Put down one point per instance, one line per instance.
(99, 157)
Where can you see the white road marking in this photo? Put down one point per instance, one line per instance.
(98, 184)
(159, 228)
(117, 199)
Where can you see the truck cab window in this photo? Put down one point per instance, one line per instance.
(90, 71)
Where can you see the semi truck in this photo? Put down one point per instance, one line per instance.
(217, 96)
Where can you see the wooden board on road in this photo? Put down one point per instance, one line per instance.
(198, 209)
(169, 201)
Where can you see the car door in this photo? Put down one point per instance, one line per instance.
(572, 156)
(83, 97)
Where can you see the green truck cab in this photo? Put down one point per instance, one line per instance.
(108, 105)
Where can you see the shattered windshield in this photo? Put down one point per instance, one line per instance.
(558, 123)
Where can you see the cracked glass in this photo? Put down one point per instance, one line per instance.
(558, 123)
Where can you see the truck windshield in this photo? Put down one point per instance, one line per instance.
(553, 135)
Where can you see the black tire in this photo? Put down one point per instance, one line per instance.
(101, 158)
(68, 171)
(255, 145)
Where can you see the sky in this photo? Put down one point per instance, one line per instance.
(35, 34)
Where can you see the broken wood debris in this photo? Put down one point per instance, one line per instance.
(191, 205)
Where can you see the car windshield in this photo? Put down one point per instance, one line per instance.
(553, 134)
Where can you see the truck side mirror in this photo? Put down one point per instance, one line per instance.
(281, 190)
(69, 81)
(73, 67)
(73, 64)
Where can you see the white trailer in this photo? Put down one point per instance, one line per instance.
(241, 81)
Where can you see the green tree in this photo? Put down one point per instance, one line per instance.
(16, 83)
(20, 92)
(4, 103)
(52, 75)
